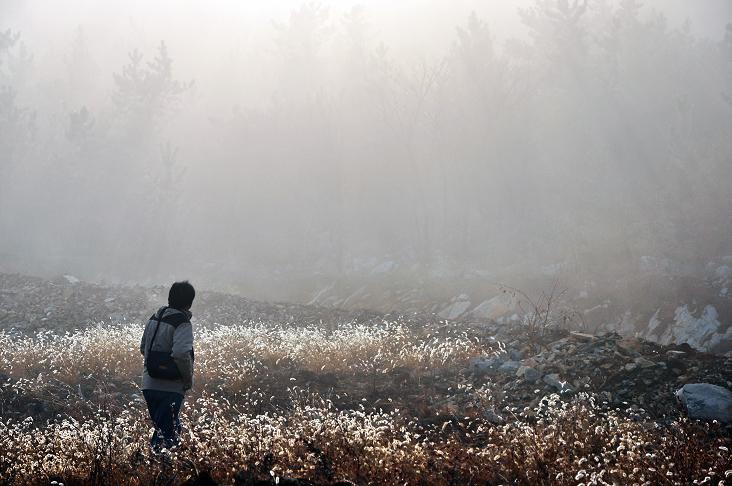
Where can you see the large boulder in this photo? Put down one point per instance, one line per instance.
(706, 401)
(496, 307)
(456, 308)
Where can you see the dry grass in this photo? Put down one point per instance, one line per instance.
(251, 412)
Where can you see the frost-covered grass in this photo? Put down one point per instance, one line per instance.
(251, 410)
(230, 358)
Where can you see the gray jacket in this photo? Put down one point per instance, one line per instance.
(175, 335)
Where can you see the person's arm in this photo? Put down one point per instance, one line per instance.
(182, 352)
(142, 342)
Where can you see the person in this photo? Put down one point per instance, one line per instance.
(169, 330)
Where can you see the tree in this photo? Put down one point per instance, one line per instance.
(146, 93)
(407, 102)
(16, 123)
(145, 97)
(17, 129)
(479, 100)
(82, 72)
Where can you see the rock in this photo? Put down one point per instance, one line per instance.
(509, 367)
(629, 347)
(643, 362)
(561, 386)
(724, 272)
(676, 361)
(496, 307)
(580, 336)
(527, 373)
(484, 364)
(515, 354)
(705, 401)
(702, 332)
(455, 310)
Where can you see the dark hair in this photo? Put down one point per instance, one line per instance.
(181, 295)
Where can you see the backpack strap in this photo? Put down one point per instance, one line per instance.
(157, 318)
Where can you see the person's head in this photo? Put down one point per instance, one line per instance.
(181, 295)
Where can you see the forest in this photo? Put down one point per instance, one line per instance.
(598, 135)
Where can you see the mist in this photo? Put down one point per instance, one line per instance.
(340, 242)
(275, 147)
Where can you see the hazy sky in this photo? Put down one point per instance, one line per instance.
(204, 36)
(202, 23)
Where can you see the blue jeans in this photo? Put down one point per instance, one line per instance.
(164, 408)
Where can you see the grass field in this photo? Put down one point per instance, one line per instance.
(388, 404)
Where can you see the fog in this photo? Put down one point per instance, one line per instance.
(231, 142)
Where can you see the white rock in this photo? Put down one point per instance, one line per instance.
(724, 272)
(653, 324)
(453, 311)
(701, 332)
(494, 308)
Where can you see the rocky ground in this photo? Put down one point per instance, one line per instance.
(622, 371)
(517, 371)
(28, 304)
(657, 299)
(465, 393)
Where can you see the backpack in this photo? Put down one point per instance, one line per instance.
(160, 364)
